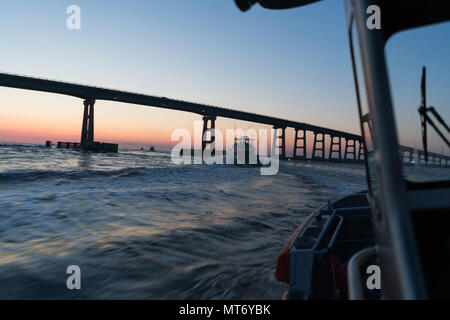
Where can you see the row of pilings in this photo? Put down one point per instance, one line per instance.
(340, 148)
(353, 150)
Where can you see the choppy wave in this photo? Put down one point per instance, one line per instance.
(140, 227)
(21, 176)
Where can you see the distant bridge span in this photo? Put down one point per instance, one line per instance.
(91, 93)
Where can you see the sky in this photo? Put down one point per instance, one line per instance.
(292, 64)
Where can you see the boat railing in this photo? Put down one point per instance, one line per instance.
(333, 236)
(355, 287)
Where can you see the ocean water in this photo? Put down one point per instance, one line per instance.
(140, 227)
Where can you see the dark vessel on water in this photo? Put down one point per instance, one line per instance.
(399, 226)
(245, 154)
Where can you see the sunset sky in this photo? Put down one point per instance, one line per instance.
(292, 64)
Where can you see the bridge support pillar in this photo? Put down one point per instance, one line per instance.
(420, 157)
(280, 141)
(403, 155)
(211, 120)
(411, 156)
(333, 149)
(407, 155)
(350, 146)
(361, 152)
(87, 130)
(300, 147)
(319, 146)
(437, 161)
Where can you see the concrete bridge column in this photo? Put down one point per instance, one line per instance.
(280, 141)
(437, 161)
(361, 152)
(302, 146)
(212, 124)
(333, 149)
(319, 146)
(350, 149)
(87, 130)
(402, 154)
(411, 156)
(421, 157)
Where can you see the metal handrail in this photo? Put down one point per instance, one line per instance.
(355, 288)
(333, 237)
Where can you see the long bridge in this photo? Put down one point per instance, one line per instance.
(353, 144)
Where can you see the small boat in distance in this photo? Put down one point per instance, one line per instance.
(245, 154)
(152, 149)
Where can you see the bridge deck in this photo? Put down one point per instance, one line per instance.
(91, 92)
(98, 93)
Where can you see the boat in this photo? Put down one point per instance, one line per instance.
(391, 241)
(152, 149)
(244, 153)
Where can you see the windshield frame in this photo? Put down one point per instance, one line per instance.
(393, 227)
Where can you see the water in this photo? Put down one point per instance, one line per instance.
(141, 227)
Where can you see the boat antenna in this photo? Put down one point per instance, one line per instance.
(423, 113)
(424, 118)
